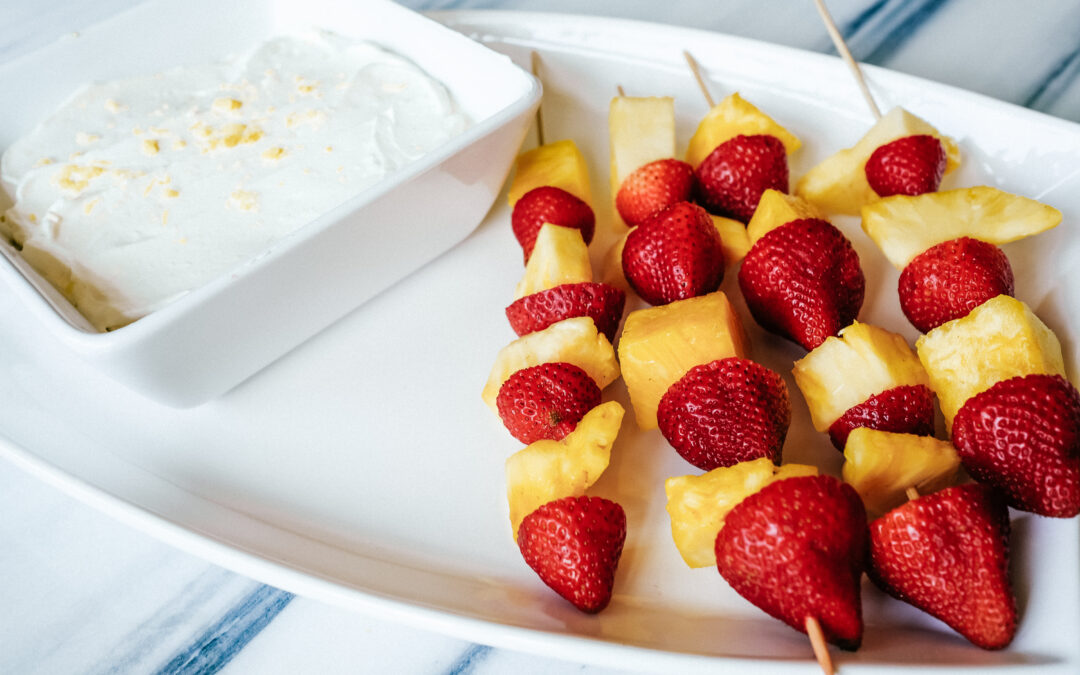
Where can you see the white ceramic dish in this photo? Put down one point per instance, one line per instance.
(364, 470)
(218, 335)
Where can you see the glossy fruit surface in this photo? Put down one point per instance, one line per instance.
(1022, 436)
(731, 180)
(796, 549)
(725, 412)
(573, 545)
(948, 554)
(803, 281)
(674, 255)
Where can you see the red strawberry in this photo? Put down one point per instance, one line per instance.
(674, 255)
(803, 281)
(1022, 436)
(549, 205)
(732, 178)
(796, 549)
(603, 303)
(912, 165)
(903, 410)
(574, 545)
(654, 187)
(947, 281)
(546, 401)
(725, 412)
(948, 554)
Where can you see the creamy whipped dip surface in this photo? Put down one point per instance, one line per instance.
(139, 190)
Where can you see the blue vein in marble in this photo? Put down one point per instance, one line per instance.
(916, 14)
(209, 652)
(1057, 80)
(857, 24)
(469, 660)
(880, 29)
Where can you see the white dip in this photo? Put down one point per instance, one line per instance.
(137, 191)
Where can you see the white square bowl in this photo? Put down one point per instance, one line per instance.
(218, 335)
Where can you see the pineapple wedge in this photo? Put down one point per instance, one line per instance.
(642, 130)
(844, 371)
(548, 470)
(659, 344)
(881, 466)
(776, 209)
(734, 240)
(560, 256)
(698, 504)
(903, 227)
(573, 341)
(1000, 339)
(734, 116)
(838, 184)
(612, 274)
(559, 164)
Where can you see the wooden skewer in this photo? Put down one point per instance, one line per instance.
(912, 493)
(821, 649)
(534, 62)
(619, 88)
(845, 53)
(692, 62)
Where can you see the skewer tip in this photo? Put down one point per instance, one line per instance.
(534, 65)
(696, 70)
(821, 648)
(845, 54)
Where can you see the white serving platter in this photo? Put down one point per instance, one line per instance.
(363, 469)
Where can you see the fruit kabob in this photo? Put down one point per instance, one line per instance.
(986, 615)
(945, 245)
(999, 375)
(800, 276)
(996, 369)
(900, 154)
(684, 360)
(670, 252)
(685, 365)
(546, 385)
(1015, 423)
(652, 192)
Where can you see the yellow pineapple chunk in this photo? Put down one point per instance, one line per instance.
(642, 130)
(881, 466)
(548, 470)
(844, 371)
(903, 227)
(612, 274)
(573, 341)
(998, 340)
(734, 116)
(776, 209)
(838, 184)
(659, 344)
(734, 241)
(559, 164)
(560, 256)
(698, 504)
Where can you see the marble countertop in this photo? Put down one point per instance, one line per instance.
(82, 593)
